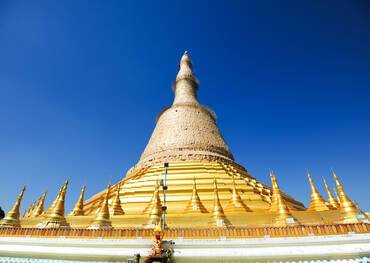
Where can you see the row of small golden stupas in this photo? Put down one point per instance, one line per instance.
(54, 216)
(206, 187)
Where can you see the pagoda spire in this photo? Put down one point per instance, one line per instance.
(155, 213)
(35, 205)
(331, 200)
(11, 219)
(186, 83)
(54, 216)
(274, 200)
(194, 204)
(218, 215)
(336, 195)
(26, 212)
(117, 206)
(56, 198)
(32, 208)
(39, 209)
(284, 216)
(347, 207)
(78, 209)
(102, 218)
(236, 204)
(317, 202)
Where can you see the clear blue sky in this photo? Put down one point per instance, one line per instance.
(81, 83)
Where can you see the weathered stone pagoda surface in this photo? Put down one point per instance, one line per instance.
(186, 130)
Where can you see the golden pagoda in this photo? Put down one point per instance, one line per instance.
(188, 184)
(11, 219)
(54, 216)
(102, 218)
(187, 137)
(348, 209)
(278, 205)
(39, 209)
(78, 209)
(332, 202)
(195, 205)
(204, 181)
(116, 207)
(317, 202)
(218, 214)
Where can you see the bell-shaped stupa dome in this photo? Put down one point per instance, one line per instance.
(186, 130)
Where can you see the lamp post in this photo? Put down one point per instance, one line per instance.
(164, 187)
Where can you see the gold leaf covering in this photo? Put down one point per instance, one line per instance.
(317, 202)
(102, 218)
(11, 218)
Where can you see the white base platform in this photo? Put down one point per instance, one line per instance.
(351, 246)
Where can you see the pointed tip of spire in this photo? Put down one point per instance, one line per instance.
(325, 183)
(185, 59)
(186, 83)
(108, 190)
(310, 180)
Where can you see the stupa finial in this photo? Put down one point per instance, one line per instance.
(336, 195)
(347, 207)
(218, 214)
(26, 212)
(236, 204)
(317, 202)
(55, 214)
(155, 213)
(78, 209)
(186, 83)
(117, 206)
(32, 208)
(284, 216)
(11, 219)
(39, 209)
(102, 218)
(195, 205)
(331, 200)
(35, 205)
(273, 206)
(57, 197)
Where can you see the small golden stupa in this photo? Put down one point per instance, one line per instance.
(207, 188)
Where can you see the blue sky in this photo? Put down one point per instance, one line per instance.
(81, 83)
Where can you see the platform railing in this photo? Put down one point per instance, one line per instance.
(191, 233)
